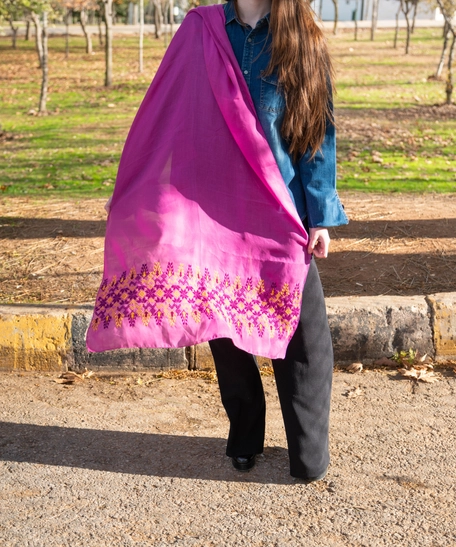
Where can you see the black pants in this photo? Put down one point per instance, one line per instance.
(303, 381)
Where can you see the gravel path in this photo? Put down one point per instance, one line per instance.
(128, 462)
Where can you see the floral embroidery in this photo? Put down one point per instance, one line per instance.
(187, 295)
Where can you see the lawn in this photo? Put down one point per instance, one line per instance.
(391, 137)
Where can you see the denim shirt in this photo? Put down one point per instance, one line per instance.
(311, 184)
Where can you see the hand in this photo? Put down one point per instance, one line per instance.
(107, 205)
(318, 242)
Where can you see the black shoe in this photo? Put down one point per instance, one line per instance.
(244, 463)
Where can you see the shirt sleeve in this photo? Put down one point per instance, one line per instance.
(318, 177)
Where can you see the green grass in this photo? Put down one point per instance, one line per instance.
(75, 149)
(417, 159)
(384, 105)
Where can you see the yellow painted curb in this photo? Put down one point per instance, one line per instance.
(444, 323)
(30, 340)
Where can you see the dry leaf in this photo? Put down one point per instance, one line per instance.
(408, 373)
(71, 377)
(423, 374)
(385, 362)
(429, 379)
(354, 367)
(353, 392)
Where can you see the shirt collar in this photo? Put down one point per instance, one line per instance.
(230, 13)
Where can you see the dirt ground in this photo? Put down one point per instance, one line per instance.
(52, 250)
(139, 461)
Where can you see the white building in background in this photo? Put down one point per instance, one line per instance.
(387, 10)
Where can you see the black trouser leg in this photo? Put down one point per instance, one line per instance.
(304, 379)
(242, 396)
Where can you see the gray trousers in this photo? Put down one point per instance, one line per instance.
(303, 381)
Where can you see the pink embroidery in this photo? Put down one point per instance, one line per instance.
(186, 294)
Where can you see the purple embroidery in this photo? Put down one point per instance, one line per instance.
(181, 296)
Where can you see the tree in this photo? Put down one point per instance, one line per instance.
(158, 18)
(83, 7)
(446, 41)
(406, 6)
(36, 20)
(448, 9)
(108, 44)
(396, 31)
(44, 66)
(336, 15)
(39, 11)
(66, 20)
(415, 10)
(374, 18)
(84, 19)
(141, 34)
(11, 11)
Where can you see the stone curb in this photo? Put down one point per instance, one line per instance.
(52, 338)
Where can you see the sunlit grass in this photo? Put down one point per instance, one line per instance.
(74, 151)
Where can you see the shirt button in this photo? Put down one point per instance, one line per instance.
(246, 71)
(249, 40)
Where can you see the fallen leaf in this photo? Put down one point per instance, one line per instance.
(385, 362)
(71, 377)
(429, 378)
(419, 374)
(353, 392)
(354, 367)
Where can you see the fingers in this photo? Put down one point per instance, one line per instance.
(107, 205)
(319, 242)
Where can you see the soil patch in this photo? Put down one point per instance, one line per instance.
(52, 250)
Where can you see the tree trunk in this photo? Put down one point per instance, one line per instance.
(13, 33)
(108, 42)
(158, 19)
(165, 24)
(396, 32)
(406, 11)
(27, 30)
(171, 17)
(83, 19)
(374, 19)
(355, 19)
(446, 39)
(415, 9)
(100, 31)
(407, 41)
(141, 35)
(38, 38)
(336, 15)
(449, 84)
(44, 66)
(67, 32)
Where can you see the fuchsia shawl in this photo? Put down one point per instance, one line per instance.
(203, 240)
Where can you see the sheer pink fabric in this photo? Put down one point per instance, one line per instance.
(203, 240)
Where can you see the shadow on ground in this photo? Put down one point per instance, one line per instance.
(149, 454)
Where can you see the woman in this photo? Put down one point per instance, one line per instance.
(231, 153)
(283, 55)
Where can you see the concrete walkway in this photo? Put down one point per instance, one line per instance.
(44, 338)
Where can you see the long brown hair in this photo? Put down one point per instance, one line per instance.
(300, 55)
